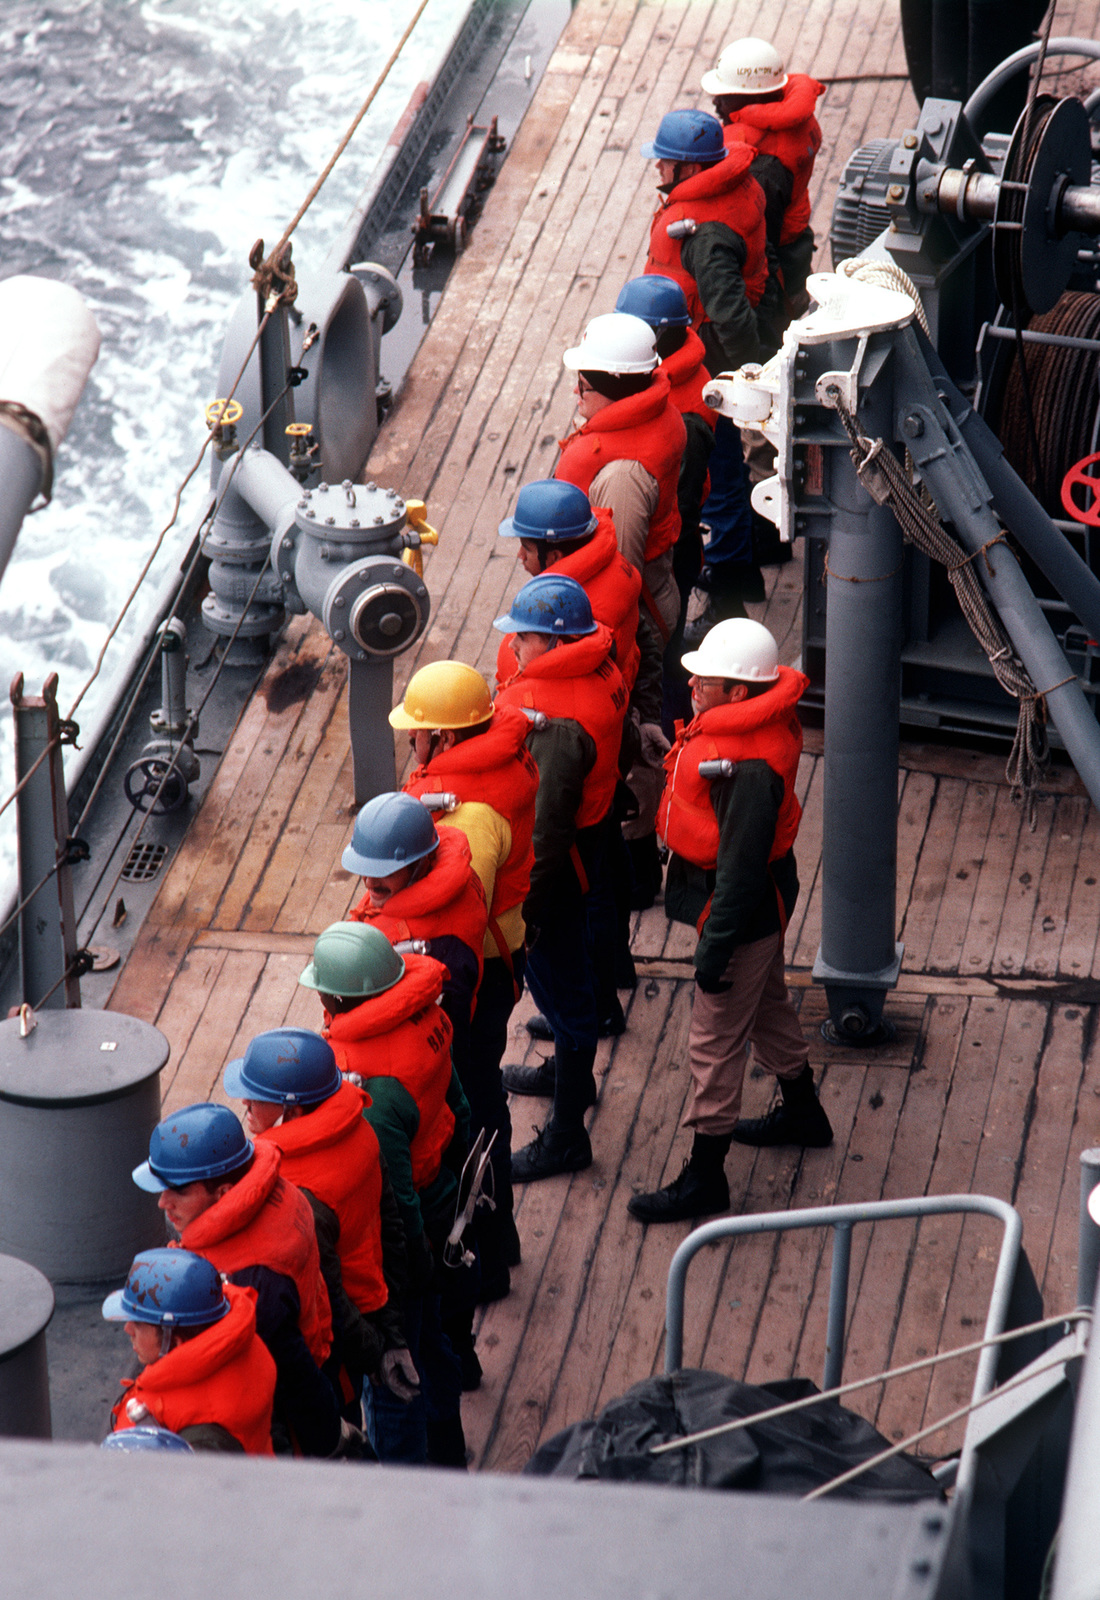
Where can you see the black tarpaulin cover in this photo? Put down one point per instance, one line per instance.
(790, 1455)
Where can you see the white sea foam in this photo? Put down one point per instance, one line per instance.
(147, 145)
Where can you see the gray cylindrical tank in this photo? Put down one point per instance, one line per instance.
(79, 1098)
(26, 1306)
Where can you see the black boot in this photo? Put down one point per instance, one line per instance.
(798, 1117)
(540, 1080)
(699, 1191)
(529, 1080)
(563, 1145)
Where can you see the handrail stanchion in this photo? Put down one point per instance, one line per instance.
(842, 1219)
(838, 1305)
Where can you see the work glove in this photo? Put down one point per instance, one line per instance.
(400, 1375)
(353, 1444)
(712, 985)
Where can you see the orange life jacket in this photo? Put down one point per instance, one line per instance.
(646, 428)
(224, 1375)
(496, 769)
(764, 729)
(612, 586)
(725, 192)
(405, 1034)
(579, 681)
(788, 130)
(448, 899)
(333, 1152)
(687, 374)
(264, 1221)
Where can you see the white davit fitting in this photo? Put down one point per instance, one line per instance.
(50, 347)
(764, 397)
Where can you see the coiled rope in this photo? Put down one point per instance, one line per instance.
(888, 483)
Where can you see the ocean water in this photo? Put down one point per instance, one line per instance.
(146, 145)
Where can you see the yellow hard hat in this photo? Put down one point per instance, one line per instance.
(444, 694)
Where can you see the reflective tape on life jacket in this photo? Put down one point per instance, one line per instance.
(405, 1034)
(762, 729)
(646, 428)
(725, 192)
(333, 1152)
(264, 1221)
(446, 899)
(788, 130)
(577, 681)
(496, 769)
(224, 1375)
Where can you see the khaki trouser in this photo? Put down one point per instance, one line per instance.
(756, 1010)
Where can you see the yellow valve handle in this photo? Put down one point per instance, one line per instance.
(298, 430)
(218, 414)
(417, 514)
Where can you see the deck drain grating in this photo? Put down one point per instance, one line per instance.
(144, 862)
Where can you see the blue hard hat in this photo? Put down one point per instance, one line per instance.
(548, 604)
(657, 300)
(550, 509)
(285, 1066)
(146, 1437)
(687, 136)
(172, 1288)
(201, 1141)
(391, 831)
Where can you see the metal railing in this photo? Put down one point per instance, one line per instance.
(842, 1219)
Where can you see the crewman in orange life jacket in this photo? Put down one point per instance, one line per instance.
(474, 766)
(763, 106)
(296, 1099)
(386, 1027)
(206, 1374)
(729, 815)
(575, 698)
(709, 235)
(626, 456)
(560, 531)
(420, 885)
(662, 304)
(228, 1202)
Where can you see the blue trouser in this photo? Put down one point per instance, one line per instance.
(560, 972)
(727, 509)
(397, 1429)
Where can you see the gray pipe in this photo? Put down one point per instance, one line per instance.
(1078, 1558)
(862, 689)
(963, 497)
(262, 482)
(1012, 64)
(1029, 524)
(1088, 1237)
(20, 480)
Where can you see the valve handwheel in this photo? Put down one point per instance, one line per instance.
(1079, 475)
(147, 787)
(220, 414)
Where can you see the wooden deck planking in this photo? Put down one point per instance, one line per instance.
(481, 411)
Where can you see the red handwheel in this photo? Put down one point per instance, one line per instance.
(1079, 475)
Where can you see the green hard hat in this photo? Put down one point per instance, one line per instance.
(353, 960)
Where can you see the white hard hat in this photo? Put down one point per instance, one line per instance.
(736, 648)
(747, 66)
(616, 343)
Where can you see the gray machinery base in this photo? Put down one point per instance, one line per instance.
(26, 1306)
(79, 1098)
